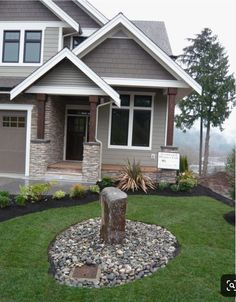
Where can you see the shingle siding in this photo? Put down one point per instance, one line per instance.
(75, 12)
(124, 58)
(120, 156)
(25, 11)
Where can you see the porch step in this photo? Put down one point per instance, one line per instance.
(65, 170)
(64, 176)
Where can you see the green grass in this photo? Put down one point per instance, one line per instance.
(207, 252)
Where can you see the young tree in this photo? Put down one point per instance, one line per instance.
(206, 61)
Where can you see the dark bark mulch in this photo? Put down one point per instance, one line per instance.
(230, 217)
(49, 203)
(15, 211)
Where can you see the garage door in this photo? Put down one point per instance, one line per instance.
(12, 141)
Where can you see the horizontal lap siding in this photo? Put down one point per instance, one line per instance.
(25, 11)
(66, 74)
(119, 156)
(50, 49)
(124, 58)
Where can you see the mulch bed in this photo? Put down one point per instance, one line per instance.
(15, 210)
(230, 217)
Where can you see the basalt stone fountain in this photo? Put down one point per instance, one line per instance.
(111, 250)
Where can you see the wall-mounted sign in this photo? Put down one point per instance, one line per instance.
(169, 161)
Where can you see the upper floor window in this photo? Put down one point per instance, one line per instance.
(77, 41)
(11, 46)
(32, 49)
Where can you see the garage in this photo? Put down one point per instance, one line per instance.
(13, 126)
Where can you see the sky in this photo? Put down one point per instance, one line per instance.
(184, 19)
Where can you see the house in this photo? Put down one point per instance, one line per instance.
(80, 94)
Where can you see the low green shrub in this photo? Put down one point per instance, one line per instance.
(4, 199)
(174, 188)
(163, 185)
(230, 169)
(59, 195)
(35, 192)
(94, 189)
(186, 181)
(106, 181)
(78, 191)
(20, 200)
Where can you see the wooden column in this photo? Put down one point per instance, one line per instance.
(41, 100)
(171, 115)
(93, 100)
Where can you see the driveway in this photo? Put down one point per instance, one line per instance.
(12, 184)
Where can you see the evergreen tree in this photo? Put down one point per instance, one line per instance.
(206, 61)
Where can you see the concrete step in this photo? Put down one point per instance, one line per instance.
(53, 175)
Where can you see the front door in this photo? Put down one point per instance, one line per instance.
(76, 136)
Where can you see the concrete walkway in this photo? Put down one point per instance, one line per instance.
(12, 184)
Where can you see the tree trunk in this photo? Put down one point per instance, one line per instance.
(200, 147)
(206, 152)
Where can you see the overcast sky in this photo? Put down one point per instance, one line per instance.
(184, 19)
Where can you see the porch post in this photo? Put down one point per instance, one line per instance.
(93, 100)
(171, 115)
(41, 100)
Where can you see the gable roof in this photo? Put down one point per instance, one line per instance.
(155, 31)
(61, 14)
(143, 41)
(91, 10)
(65, 54)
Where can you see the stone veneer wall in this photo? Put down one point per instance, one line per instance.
(91, 162)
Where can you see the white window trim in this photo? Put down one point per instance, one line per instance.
(68, 107)
(28, 108)
(130, 130)
(22, 44)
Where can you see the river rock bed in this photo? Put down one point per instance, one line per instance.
(146, 248)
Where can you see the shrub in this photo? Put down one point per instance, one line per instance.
(94, 189)
(132, 178)
(35, 192)
(106, 181)
(4, 193)
(163, 185)
(77, 191)
(4, 199)
(186, 181)
(59, 195)
(184, 167)
(20, 200)
(230, 169)
(174, 188)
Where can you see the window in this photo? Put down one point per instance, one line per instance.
(32, 50)
(131, 124)
(13, 121)
(11, 46)
(77, 41)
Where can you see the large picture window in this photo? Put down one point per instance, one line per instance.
(32, 51)
(131, 124)
(11, 46)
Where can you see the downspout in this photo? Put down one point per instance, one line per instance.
(97, 140)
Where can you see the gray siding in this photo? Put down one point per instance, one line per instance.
(25, 11)
(76, 13)
(124, 58)
(119, 156)
(66, 74)
(50, 49)
(50, 42)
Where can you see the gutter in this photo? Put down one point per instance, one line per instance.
(97, 140)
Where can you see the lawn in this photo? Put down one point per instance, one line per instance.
(207, 252)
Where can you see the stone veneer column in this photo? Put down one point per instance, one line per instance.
(91, 162)
(39, 150)
(164, 175)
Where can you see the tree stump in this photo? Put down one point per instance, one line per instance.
(113, 204)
